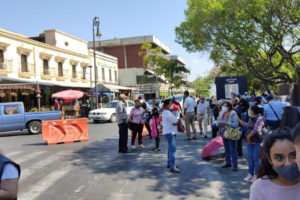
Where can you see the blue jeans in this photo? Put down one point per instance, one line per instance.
(253, 158)
(230, 151)
(171, 150)
(214, 130)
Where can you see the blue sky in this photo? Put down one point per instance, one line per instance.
(118, 18)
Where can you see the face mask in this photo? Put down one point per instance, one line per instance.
(171, 107)
(249, 114)
(290, 172)
(224, 109)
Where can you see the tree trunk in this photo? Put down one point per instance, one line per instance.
(295, 94)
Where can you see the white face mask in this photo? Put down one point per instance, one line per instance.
(171, 107)
(224, 109)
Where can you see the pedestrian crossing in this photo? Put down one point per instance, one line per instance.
(42, 166)
(43, 171)
(45, 183)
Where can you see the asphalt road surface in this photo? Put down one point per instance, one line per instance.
(94, 170)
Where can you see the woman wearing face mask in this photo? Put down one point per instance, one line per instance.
(254, 127)
(228, 117)
(170, 123)
(136, 118)
(278, 174)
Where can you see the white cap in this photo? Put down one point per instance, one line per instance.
(122, 96)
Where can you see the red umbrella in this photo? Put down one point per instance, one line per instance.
(68, 94)
(212, 147)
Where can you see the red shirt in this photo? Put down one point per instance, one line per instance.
(175, 107)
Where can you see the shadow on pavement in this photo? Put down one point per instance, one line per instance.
(198, 179)
(14, 133)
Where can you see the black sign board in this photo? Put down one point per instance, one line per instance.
(230, 84)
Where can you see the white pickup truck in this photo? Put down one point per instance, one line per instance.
(108, 112)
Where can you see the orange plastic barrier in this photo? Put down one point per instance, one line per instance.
(65, 131)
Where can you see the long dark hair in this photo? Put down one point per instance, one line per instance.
(265, 168)
(257, 110)
(166, 103)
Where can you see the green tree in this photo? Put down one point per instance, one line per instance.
(201, 86)
(257, 37)
(156, 62)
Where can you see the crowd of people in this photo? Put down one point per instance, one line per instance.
(271, 129)
(265, 124)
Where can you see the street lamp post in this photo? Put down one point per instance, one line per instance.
(96, 23)
(91, 90)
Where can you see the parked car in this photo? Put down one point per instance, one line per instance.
(13, 117)
(158, 101)
(108, 112)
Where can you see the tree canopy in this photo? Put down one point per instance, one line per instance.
(255, 37)
(156, 62)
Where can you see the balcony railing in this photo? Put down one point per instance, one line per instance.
(75, 77)
(6, 66)
(28, 69)
(26, 72)
(62, 77)
(47, 74)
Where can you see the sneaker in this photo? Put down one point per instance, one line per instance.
(142, 146)
(205, 136)
(254, 178)
(156, 149)
(248, 178)
(133, 147)
(226, 166)
(201, 133)
(175, 170)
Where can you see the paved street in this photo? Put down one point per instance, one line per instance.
(94, 169)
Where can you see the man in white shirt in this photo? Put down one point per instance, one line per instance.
(203, 113)
(122, 118)
(189, 115)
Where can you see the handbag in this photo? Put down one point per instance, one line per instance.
(154, 128)
(232, 133)
(130, 125)
(180, 126)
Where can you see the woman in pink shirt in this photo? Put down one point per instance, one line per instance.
(278, 174)
(136, 118)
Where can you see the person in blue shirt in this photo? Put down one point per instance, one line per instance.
(9, 178)
(273, 112)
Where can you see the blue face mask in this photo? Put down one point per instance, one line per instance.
(290, 172)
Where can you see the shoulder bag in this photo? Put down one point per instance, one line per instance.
(232, 133)
(180, 126)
